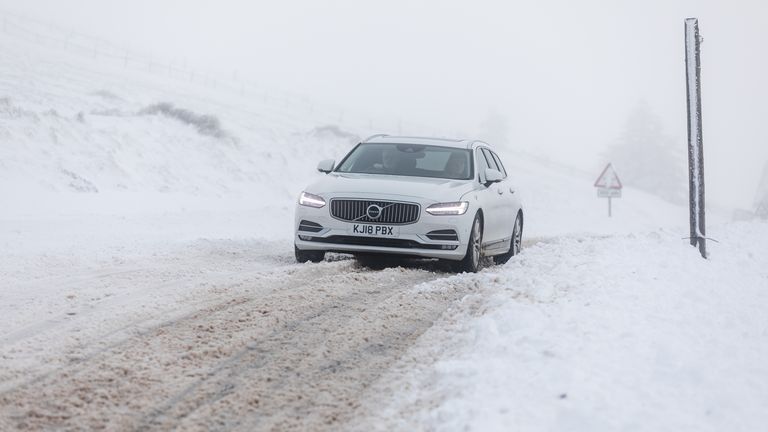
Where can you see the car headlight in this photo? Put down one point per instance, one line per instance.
(311, 200)
(449, 208)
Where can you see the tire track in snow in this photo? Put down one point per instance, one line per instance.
(116, 302)
(115, 336)
(221, 380)
(292, 357)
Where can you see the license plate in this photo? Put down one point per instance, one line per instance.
(374, 230)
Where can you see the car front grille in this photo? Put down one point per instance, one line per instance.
(360, 210)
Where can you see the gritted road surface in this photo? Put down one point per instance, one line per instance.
(282, 347)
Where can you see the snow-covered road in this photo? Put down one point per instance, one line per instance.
(579, 332)
(215, 335)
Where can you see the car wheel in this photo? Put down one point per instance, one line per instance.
(515, 243)
(473, 260)
(303, 256)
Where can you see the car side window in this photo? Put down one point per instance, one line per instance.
(489, 159)
(482, 163)
(500, 165)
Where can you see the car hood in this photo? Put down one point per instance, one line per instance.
(393, 187)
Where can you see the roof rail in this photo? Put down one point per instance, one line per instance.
(429, 138)
(374, 136)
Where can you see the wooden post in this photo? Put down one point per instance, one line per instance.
(695, 141)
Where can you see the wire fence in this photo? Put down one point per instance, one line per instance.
(76, 43)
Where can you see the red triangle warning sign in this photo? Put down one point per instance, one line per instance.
(608, 179)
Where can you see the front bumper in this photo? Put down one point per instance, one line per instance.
(323, 232)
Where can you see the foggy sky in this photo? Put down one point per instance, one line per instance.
(564, 74)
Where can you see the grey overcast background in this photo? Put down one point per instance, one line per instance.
(564, 75)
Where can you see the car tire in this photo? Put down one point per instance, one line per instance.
(514, 244)
(473, 259)
(303, 256)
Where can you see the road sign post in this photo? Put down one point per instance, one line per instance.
(608, 186)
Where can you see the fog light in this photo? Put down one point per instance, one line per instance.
(305, 237)
(449, 247)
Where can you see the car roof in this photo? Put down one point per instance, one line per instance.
(444, 142)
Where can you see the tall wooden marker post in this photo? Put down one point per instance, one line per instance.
(695, 142)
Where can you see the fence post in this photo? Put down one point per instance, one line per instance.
(695, 140)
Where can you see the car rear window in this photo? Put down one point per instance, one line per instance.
(409, 160)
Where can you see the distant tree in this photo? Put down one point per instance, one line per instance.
(494, 129)
(646, 158)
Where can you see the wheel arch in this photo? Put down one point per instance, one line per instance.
(479, 213)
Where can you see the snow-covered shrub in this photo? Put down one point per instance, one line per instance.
(204, 123)
(10, 111)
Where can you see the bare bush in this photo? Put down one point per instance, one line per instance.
(204, 123)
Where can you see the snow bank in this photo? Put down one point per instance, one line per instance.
(629, 332)
(73, 126)
(99, 160)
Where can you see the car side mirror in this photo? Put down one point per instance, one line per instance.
(326, 166)
(493, 176)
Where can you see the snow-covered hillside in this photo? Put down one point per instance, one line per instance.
(108, 137)
(86, 144)
(74, 125)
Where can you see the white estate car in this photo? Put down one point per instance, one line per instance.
(412, 196)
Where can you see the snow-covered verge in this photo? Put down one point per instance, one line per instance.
(101, 163)
(82, 135)
(631, 332)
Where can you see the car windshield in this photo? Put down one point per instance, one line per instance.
(409, 160)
